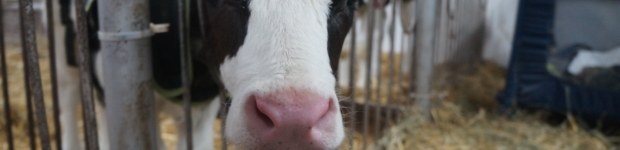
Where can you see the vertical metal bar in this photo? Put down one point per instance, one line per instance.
(371, 24)
(400, 75)
(184, 76)
(381, 22)
(352, 64)
(84, 61)
(129, 96)
(52, 58)
(424, 43)
(224, 111)
(29, 111)
(30, 48)
(391, 61)
(5, 86)
(412, 68)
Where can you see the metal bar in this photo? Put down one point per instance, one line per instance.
(29, 112)
(391, 61)
(184, 76)
(32, 57)
(405, 46)
(371, 18)
(129, 96)
(399, 75)
(84, 63)
(352, 89)
(224, 111)
(426, 30)
(381, 22)
(412, 69)
(52, 58)
(5, 86)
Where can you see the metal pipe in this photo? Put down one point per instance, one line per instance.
(53, 75)
(29, 113)
(352, 89)
(5, 86)
(425, 32)
(399, 75)
(129, 96)
(379, 62)
(224, 111)
(371, 18)
(184, 67)
(84, 63)
(34, 77)
(405, 46)
(391, 61)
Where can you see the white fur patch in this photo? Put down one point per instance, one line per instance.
(604, 59)
(285, 47)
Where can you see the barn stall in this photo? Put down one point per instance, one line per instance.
(437, 94)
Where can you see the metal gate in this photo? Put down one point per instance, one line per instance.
(387, 63)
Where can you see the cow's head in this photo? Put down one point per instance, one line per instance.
(277, 59)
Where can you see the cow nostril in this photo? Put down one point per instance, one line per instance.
(263, 117)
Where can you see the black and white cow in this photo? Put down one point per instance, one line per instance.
(276, 58)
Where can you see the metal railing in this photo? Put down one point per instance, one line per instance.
(401, 44)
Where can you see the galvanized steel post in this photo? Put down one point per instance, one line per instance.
(367, 89)
(33, 73)
(352, 89)
(391, 61)
(125, 42)
(5, 86)
(424, 42)
(88, 104)
(51, 44)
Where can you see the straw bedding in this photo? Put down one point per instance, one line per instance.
(464, 115)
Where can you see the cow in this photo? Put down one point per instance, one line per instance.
(275, 58)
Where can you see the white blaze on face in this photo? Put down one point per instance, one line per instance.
(285, 48)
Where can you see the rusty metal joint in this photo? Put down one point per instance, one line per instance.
(133, 35)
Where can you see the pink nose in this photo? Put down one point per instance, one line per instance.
(291, 119)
